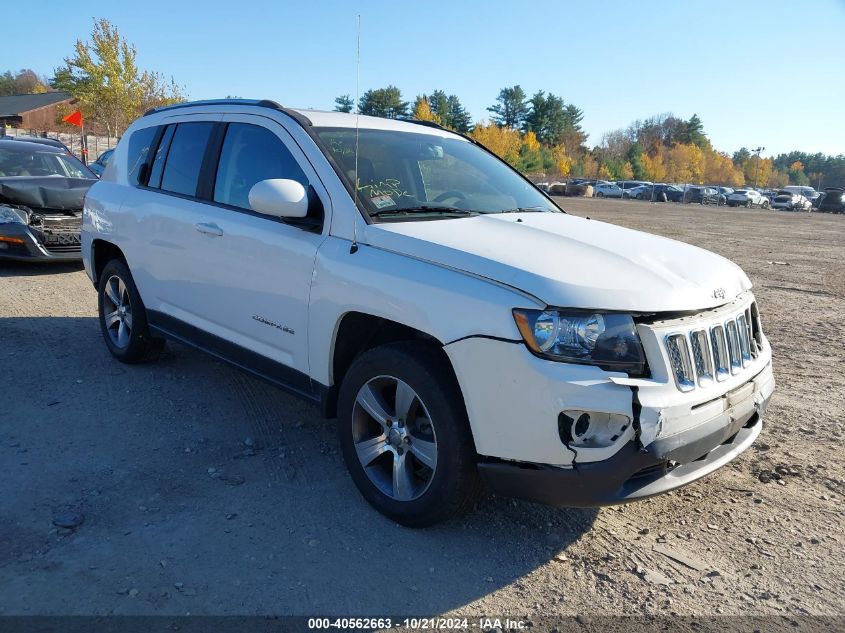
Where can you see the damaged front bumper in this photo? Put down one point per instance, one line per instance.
(634, 472)
(514, 400)
(22, 243)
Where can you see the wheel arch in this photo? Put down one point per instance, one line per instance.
(102, 252)
(355, 333)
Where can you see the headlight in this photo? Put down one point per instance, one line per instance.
(609, 341)
(9, 215)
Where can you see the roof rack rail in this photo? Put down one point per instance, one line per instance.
(303, 120)
(260, 103)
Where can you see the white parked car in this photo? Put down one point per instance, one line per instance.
(791, 201)
(458, 325)
(607, 190)
(747, 198)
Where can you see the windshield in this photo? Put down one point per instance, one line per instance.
(400, 171)
(16, 163)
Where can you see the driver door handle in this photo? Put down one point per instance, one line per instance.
(209, 228)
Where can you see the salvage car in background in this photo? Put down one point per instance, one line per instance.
(665, 193)
(702, 195)
(833, 200)
(803, 190)
(791, 201)
(41, 192)
(748, 198)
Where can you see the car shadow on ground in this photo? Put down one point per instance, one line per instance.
(208, 491)
(10, 268)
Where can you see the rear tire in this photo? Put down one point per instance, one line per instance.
(405, 436)
(123, 317)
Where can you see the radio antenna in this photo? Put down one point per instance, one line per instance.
(354, 247)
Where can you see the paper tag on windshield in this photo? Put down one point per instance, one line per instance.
(381, 202)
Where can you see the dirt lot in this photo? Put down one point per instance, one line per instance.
(205, 491)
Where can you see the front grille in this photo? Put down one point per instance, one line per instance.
(63, 248)
(723, 348)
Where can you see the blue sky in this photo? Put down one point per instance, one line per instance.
(757, 72)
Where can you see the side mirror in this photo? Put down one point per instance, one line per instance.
(280, 198)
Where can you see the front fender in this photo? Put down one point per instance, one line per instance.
(441, 302)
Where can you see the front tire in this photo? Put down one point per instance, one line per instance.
(404, 434)
(123, 318)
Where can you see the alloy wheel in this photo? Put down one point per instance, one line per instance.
(394, 438)
(117, 311)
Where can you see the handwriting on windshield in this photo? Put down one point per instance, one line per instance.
(389, 187)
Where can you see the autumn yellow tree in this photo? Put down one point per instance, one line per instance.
(562, 161)
(505, 142)
(757, 171)
(684, 163)
(423, 111)
(653, 166)
(778, 179)
(530, 142)
(720, 169)
(627, 171)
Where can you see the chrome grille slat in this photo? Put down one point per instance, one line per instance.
(714, 351)
(720, 352)
(701, 356)
(744, 340)
(678, 349)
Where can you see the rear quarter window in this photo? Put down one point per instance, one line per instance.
(140, 147)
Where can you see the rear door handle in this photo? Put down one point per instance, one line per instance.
(209, 228)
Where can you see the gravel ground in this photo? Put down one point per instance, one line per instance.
(204, 491)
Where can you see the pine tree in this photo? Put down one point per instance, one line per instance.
(344, 103)
(511, 109)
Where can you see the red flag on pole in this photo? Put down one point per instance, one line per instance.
(74, 118)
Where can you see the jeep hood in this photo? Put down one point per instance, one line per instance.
(567, 261)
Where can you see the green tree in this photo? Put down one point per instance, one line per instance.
(103, 75)
(383, 102)
(547, 118)
(692, 133)
(344, 103)
(740, 157)
(457, 117)
(511, 107)
(634, 159)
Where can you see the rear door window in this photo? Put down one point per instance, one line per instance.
(184, 157)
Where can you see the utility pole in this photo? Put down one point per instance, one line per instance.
(757, 169)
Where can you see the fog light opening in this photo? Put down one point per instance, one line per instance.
(590, 429)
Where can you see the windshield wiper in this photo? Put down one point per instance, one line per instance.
(422, 209)
(537, 209)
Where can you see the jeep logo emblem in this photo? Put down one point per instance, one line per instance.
(719, 293)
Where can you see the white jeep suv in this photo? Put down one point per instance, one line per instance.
(458, 324)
